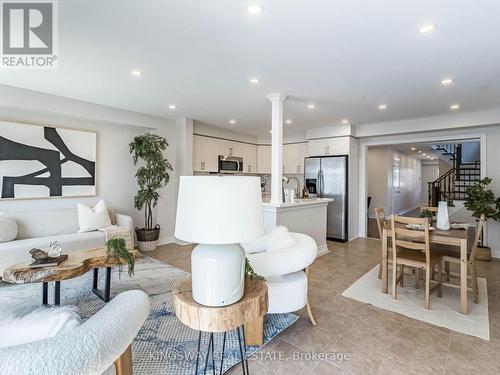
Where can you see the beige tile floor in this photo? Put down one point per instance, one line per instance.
(377, 341)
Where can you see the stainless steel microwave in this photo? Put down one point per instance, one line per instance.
(230, 164)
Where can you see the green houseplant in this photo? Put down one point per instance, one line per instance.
(116, 248)
(481, 200)
(151, 176)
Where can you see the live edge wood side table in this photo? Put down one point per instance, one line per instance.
(78, 263)
(249, 312)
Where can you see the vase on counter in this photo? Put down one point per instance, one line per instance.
(443, 218)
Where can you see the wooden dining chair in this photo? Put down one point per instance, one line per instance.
(432, 209)
(380, 217)
(412, 248)
(452, 256)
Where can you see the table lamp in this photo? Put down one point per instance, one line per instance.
(218, 213)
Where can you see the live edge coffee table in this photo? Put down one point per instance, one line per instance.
(78, 263)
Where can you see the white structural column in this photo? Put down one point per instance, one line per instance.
(277, 100)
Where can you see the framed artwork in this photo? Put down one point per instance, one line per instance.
(43, 161)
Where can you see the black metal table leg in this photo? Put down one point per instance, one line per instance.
(243, 357)
(223, 348)
(57, 293)
(198, 354)
(245, 347)
(105, 296)
(45, 294)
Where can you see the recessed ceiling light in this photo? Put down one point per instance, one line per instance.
(413, 148)
(454, 107)
(382, 107)
(232, 122)
(345, 121)
(255, 9)
(254, 81)
(428, 156)
(172, 106)
(424, 154)
(446, 81)
(426, 28)
(288, 121)
(270, 131)
(311, 106)
(432, 158)
(136, 73)
(419, 151)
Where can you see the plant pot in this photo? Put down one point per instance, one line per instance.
(483, 253)
(148, 238)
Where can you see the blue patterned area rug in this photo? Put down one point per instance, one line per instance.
(164, 345)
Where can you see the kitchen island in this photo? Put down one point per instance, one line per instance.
(306, 216)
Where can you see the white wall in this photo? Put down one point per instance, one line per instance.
(380, 180)
(430, 172)
(115, 129)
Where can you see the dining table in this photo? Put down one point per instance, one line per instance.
(460, 238)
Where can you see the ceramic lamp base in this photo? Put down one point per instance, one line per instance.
(218, 274)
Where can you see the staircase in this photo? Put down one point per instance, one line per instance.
(452, 185)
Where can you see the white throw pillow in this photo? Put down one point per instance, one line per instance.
(40, 324)
(8, 228)
(280, 238)
(90, 219)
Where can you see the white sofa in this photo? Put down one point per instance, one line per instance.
(285, 272)
(95, 347)
(39, 228)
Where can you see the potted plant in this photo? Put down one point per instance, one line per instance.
(115, 248)
(481, 200)
(428, 214)
(151, 177)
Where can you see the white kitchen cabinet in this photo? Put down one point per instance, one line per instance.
(264, 159)
(229, 148)
(303, 153)
(205, 156)
(290, 158)
(249, 155)
(329, 146)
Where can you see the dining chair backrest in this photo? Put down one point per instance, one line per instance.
(432, 209)
(477, 237)
(409, 238)
(380, 215)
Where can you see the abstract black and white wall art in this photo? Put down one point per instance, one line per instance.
(43, 161)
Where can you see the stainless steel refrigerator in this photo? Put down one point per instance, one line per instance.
(326, 176)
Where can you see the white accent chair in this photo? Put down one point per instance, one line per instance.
(100, 345)
(286, 272)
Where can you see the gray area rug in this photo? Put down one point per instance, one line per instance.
(164, 345)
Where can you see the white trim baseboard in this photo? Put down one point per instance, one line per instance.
(170, 239)
(322, 250)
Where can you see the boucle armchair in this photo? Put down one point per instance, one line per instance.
(100, 345)
(286, 272)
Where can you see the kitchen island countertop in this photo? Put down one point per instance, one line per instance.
(298, 202)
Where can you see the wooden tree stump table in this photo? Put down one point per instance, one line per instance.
(78, 263)
(246, 314)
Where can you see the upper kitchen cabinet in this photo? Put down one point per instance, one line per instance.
(329, 146)
(205, 154)
(249, 155)
(263, 159)
(229, 148)
(293, 157)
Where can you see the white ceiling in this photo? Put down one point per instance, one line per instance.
(347, 57)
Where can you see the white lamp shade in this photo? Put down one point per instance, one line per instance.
(219, 209)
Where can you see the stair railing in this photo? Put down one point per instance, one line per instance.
(442, 189)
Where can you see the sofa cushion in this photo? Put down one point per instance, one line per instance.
(8, 228)
(18, 251)
(93, 218)
(36, 325)
(33, 224)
